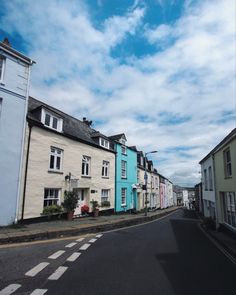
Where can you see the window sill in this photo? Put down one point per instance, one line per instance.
(228, 177)
(105, 177)
(2, 83)
(125, 178)
(85, 176)
(55, 172)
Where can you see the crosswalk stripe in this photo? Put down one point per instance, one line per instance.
(57, 254)
(58, 273)
(92, 241)
(37, 269)
(71, 245)
(39, 292)
(85, 247)
(80, 240)
(10, 289)
(73, 257)
(99, 236)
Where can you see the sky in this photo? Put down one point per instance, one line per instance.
(160, 71)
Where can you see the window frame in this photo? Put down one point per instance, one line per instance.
(123, 169)
(105, 169)
(52, 199)
(123, 196)
(229, 208)
(104, 143)
(210, 176)
(2, 68)
(107, 197)
(205, 180)
(86, 166)
(56, 156)
(227, 163)
(52, 117)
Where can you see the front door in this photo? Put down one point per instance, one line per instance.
(81, 201)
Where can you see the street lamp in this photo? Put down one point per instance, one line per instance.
(145, 177)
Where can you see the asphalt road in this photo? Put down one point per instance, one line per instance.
(167, 256)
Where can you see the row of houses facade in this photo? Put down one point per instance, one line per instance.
(217, 191)
(47, 151)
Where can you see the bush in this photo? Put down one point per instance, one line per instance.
(52, 209)
(70, 201)
(84, 209)
(95, 205)
(105, 204)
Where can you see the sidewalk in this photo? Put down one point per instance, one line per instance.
(63, 228)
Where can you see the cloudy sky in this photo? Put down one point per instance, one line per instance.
(160, 71)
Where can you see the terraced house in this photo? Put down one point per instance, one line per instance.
(14, 88)
(64, 153)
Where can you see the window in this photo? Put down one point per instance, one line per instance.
(205, 180)
(123, 169)
(51, 120)
(105, 169)
(55, 159)
(229, 204)
(210, 178)
(86, 166)
(141, 161)
(105, 195)
(138, 175)
(227, 163)
(104, 143)
(2, 66)
(51, 196)
(123, 149)
(123, 196)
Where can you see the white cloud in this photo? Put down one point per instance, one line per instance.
(192, 76)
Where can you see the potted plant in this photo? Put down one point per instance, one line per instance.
(84, 209)
(52, 210)
(95, 208)
(70, 203)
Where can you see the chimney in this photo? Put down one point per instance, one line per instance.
(87, 122)
(6, 42)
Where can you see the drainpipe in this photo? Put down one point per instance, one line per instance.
(216, 197)
(26, 172)
(115, 201)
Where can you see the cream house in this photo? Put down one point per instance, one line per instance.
(64, 153)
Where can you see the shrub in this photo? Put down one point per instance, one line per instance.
(70, 201)
(95, 205)
(52, 209)
(84, 209)
(105, 204)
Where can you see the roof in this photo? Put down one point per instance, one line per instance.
(225, 141)
(72, 127)
(117, 136)
(8, 49)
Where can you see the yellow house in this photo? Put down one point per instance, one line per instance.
(224, 157)
(64, 153)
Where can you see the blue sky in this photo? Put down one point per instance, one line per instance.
(161, 71)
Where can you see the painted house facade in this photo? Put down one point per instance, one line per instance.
(125, 175)
(14, 89)
(64, 153)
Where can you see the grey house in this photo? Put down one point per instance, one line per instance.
(14, 87)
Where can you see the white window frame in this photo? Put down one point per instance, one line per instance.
(123, 196)
(210, 178)
(205, 180)
(227, 163)
(104, 143)
(105, 195)
(123, 150)
(229, 205)
(57, 154)
(2, 69)
(86, 166)
(105, 169)
(53, 197)
(123, 169)
(51, 118)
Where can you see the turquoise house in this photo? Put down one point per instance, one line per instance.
(126, 174)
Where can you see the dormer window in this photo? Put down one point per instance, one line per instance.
(105, 143)
(123, 149)
(2, 66)
(51, 121)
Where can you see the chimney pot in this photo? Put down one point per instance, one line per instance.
(6, 41)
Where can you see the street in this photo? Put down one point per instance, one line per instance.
(168, 256)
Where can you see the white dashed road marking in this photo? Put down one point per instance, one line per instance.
(73, 257)
(39, 292)
(80, 240)
(58, 273)
(37, 269)
(92, 240)
(10, 289)
(99, 236)
(71, 245)
(57, 254)
(85, 247)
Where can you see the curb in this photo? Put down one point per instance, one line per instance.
(67, 232)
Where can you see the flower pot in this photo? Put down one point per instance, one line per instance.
(70, 215)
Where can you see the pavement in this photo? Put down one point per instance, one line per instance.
(86, 225)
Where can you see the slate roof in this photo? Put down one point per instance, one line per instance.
(72, 127)
(117, 136)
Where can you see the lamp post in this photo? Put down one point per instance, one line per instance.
(145, 178)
